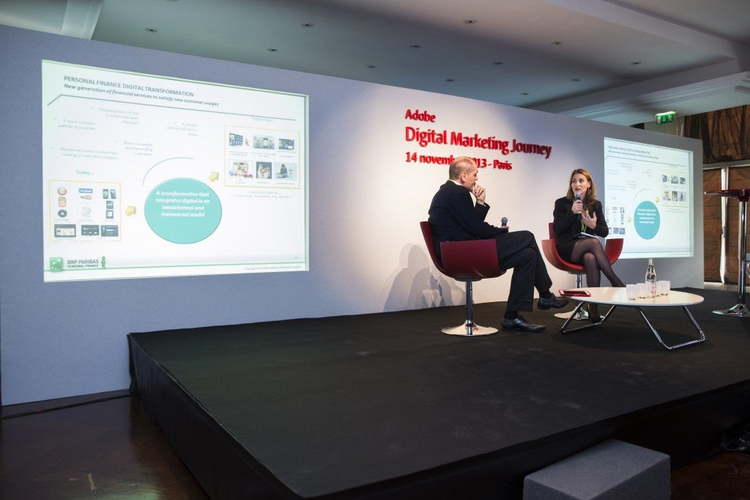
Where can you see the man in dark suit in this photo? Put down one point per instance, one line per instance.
(454, 216)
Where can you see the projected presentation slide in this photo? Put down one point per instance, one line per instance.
(649, 198)
(148, 176)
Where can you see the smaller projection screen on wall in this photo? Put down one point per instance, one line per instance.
(649, 198)
(150, 176)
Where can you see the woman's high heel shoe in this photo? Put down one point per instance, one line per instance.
(594, 313)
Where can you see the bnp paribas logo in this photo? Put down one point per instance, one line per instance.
(56, 264)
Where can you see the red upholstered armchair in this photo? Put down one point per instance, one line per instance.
(612, 247)
(467, 261)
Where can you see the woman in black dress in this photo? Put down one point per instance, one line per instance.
(577, 214)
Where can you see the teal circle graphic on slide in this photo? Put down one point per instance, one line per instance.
(646, 220)
(183, 211)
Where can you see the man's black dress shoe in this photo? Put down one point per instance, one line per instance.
(521, 324)
(552, 302)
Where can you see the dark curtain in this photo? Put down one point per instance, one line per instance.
(725, 134)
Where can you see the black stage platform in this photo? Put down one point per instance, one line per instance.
(384, 406)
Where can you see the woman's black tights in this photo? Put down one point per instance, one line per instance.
(590, 253)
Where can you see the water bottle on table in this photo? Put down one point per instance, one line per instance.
(651, 278)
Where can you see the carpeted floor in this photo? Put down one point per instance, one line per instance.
(352, 400)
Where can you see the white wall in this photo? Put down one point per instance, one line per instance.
(367, 254)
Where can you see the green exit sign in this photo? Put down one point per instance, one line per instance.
(667, 117)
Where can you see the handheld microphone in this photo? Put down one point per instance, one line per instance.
(504, 221)
(578, 197)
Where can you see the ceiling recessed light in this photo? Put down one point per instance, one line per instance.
(635, 63)
(498, 63)
(416, 46)
(371, 66)
(524, 93)
(449, 79)
(556, 43)
(307, 25)
(470, 21)
(575, 79)
(152, 30)
(273, 50)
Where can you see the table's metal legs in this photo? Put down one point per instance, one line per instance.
(581, 315)
(574, 316)
(740, 310)
(658, 337)
(653, 330)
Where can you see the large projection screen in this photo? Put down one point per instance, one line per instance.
(649, 198)
(149, 176)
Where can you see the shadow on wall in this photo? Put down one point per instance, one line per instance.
(418, 285)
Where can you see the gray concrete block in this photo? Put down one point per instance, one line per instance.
(612, 470)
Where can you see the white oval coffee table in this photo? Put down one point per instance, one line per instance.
(616, 297)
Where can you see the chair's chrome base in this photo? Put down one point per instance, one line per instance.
(738, 311)
(469, 330)
(581, 315)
